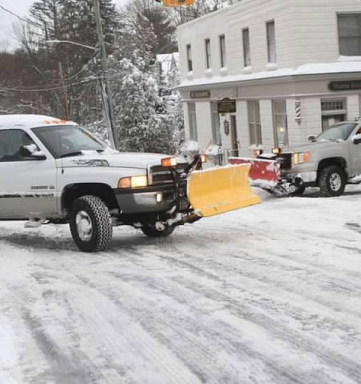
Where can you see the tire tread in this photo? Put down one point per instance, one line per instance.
(102, 226)
(323, 184)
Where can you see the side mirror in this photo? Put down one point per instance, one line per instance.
(356, 139)
(32, 152)
(311, 138)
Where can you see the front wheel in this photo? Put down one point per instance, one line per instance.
(332, 181)
(90, 224)
(151, 230)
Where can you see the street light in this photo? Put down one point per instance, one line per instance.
(107, 98)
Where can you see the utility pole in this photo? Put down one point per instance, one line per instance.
(105, 88)
(66, 115)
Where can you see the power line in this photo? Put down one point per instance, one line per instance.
(84, 81)
(18, 17)
(14, 14)
(84, 68)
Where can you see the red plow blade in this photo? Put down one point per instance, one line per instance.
(264, 174)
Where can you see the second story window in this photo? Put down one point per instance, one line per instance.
(271, 42)
(189, 58)
(349, 34)
(246, 48)
(207, 44)
(222, 48)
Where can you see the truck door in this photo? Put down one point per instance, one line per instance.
(355, 155)
(27, 184)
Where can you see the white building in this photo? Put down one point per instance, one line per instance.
(289, 68)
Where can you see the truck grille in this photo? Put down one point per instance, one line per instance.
(160, 175)
(285, 160)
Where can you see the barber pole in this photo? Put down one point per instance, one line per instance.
(298, 112)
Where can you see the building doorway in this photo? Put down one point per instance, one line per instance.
(234, 137)
(280, 123)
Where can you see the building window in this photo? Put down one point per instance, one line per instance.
(193, 132)
(246, 48)
(280, 123)
(254, 120)
(222, 48)
(333, 111)
(207, 44)
(271, 42)
(216, 128)
(189, 58)
(349, 32)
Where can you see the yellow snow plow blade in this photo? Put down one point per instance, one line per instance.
(218, 190)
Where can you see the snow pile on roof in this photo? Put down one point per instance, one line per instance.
(9, 121)
(342, 66)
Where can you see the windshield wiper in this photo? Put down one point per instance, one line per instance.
(70, 154)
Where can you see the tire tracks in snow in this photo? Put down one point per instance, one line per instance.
(350, 367)
(184, 344)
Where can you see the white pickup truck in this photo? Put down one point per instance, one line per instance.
(54, 171)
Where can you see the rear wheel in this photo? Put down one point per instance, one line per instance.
(332, 181)
(152, 230)
(90, 224)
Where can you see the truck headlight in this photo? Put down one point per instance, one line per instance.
(301, 157)
(133, 182)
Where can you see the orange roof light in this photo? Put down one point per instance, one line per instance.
(176, 3)
(169, 162)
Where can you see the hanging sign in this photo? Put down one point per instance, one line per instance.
(348, 85)
(200, 94)
(227, 106)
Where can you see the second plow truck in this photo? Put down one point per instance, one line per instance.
(329, 161)
(57, 172)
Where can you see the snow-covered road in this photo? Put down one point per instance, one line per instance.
(269, 294)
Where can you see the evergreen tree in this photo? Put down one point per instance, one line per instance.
(143, 123)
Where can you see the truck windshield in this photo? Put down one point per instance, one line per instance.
(68, 140)
(340, 131)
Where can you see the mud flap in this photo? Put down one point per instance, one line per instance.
(265, 174)
(219, 190)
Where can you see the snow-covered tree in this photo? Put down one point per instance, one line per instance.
(168, 79)
(143, 123)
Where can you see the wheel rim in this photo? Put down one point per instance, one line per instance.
(335, 182)
(84, 226)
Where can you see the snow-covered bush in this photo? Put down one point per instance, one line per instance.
(214, 153)
(189, 149)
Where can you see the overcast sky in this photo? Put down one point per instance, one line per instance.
(20, 7)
